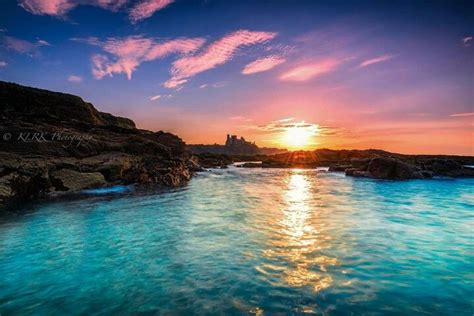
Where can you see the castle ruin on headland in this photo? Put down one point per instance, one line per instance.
(232, 140)
(234, 146)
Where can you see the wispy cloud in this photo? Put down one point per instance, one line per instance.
(154, 98)
(23, 46)
(263, 64)
(283, 125)
(47, 7)
(74, 78)
(147, 8)
(375, 60)
(217, 53)
(240, 118)
(462, 114)
(310, 70)
(3, 64)
(43, 42)
(219, 84)
(288, 119)
(126, 54)
(60, 8)
(467, 41)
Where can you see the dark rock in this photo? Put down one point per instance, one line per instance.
(360, 173)
(208, 160)
(426, 174)
(350, 171)
(61, 143)
(448, 168)
(73, 181)
(251, 165)
(388, 168)
(339, 168)
(360, 163)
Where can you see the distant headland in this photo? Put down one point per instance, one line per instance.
(235, 146)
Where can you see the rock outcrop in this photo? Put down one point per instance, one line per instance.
(396, 169)
(74, 181)
(369, 163)
(214, 160)
(55, 142)
(387, 168)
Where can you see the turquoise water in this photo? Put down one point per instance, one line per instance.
(246, 241)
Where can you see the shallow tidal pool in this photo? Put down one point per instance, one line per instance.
(246, 241)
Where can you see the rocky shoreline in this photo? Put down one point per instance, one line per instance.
(371, 163)
(56, 143)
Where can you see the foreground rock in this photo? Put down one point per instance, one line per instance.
(54, 142)
(210, 160)
(74, 181)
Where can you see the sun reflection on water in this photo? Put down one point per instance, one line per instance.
(295, 249)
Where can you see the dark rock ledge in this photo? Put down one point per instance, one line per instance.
(370, 163)
(396, 169)
(54, 142)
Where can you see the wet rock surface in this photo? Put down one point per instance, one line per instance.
(55, 142)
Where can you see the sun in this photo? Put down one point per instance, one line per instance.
(299, 135)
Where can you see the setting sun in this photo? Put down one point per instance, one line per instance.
(299, 135)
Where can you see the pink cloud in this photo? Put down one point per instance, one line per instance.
(467, 41)
(309, 71)
(62, 7)
(126, 54)
(74, 78)
(147, 8)
(262, 64)
(375, 60)
(47, 7)
(462, 114)
(22, 46)
(217, 53)
(3, 64)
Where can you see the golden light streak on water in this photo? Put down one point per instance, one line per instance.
(300, 236)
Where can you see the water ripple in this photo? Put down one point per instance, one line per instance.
(246, 241)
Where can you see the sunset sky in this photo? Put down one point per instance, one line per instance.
(393, 75)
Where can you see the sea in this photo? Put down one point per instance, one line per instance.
(242, 241)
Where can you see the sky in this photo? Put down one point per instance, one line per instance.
(392, 75)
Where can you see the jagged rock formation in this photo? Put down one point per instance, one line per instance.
(54, 142)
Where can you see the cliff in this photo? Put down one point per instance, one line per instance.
(54, 142)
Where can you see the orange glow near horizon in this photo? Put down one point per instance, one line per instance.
(299, 136)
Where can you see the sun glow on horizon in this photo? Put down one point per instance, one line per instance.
(299, 135)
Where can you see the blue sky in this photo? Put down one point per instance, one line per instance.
(384, 74)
